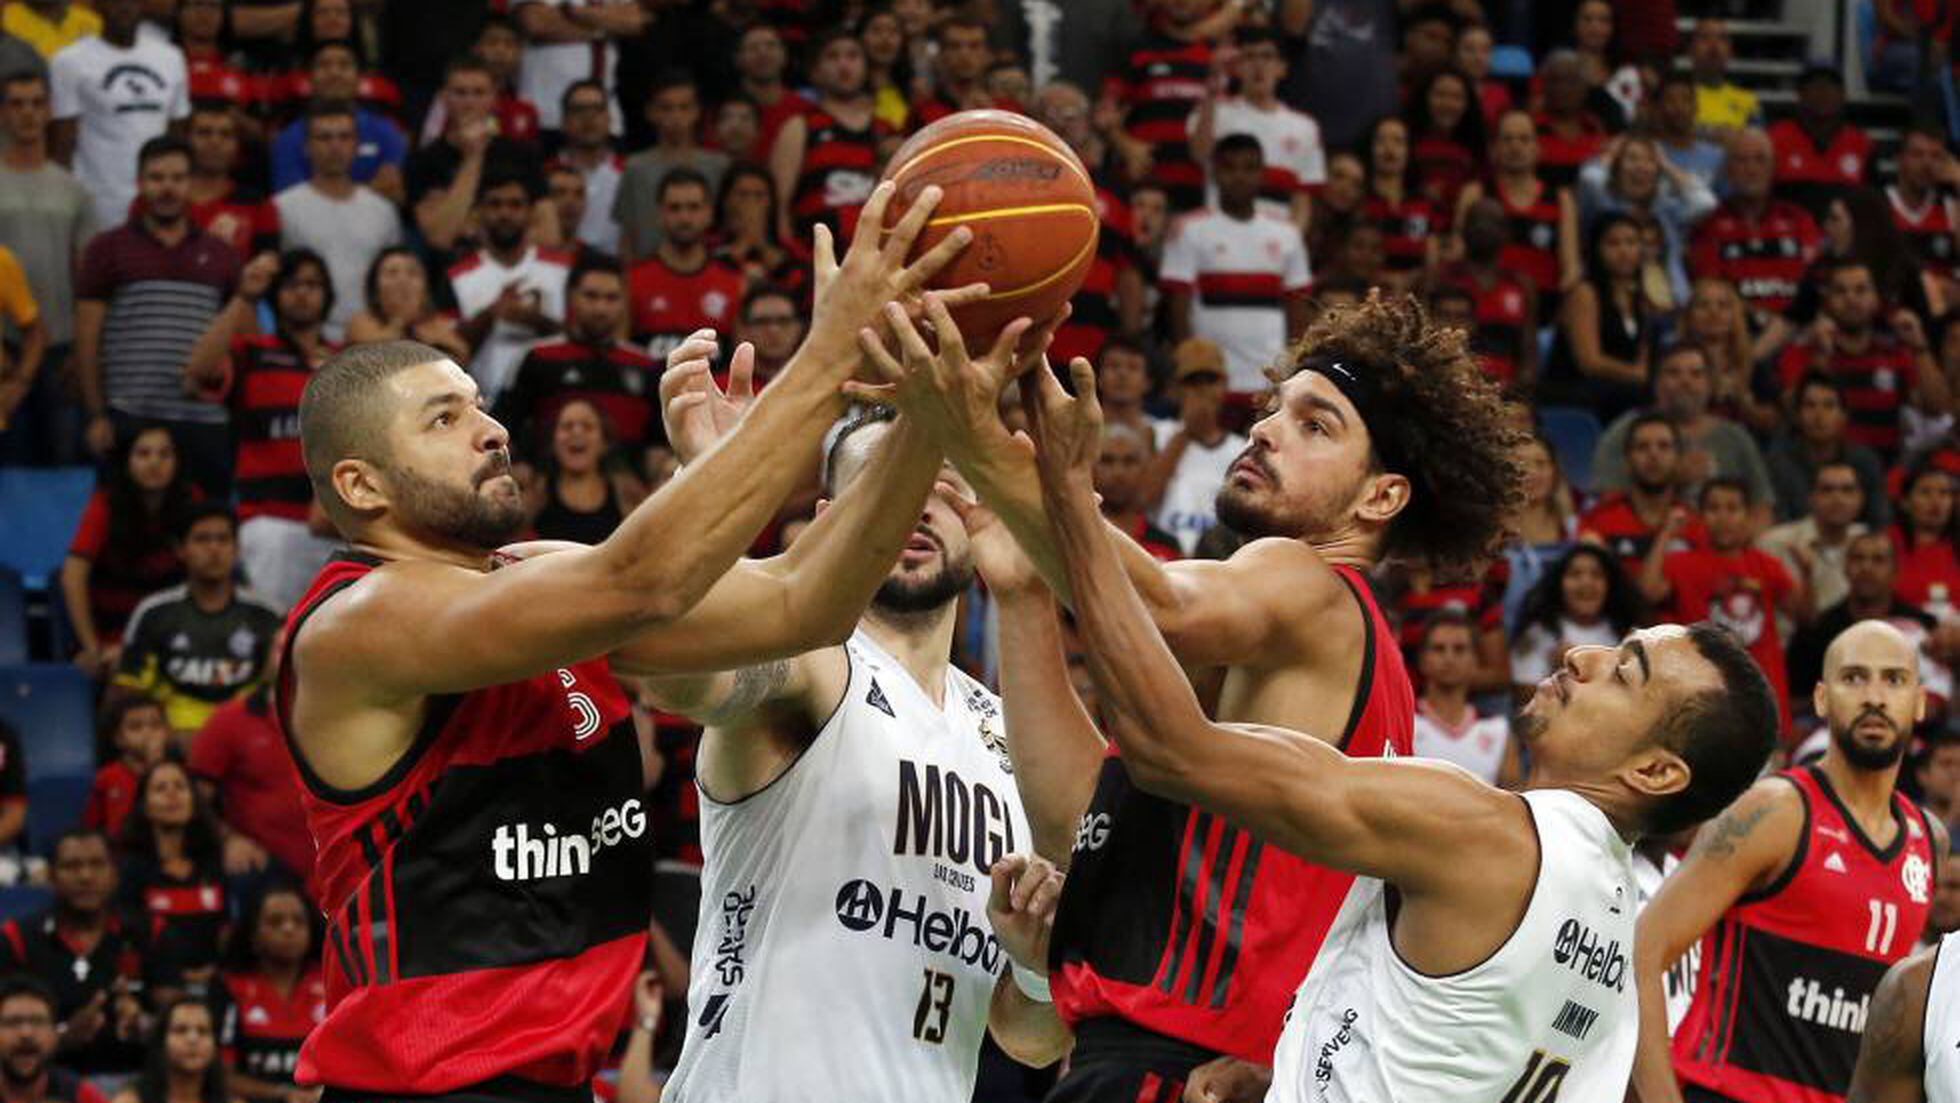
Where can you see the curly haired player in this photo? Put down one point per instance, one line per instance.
(1180, 937)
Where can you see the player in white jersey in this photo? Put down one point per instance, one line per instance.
(857, 813)
(1485, 950)
(1911, 1049)
(1448, 726)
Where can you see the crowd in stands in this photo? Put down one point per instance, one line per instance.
(1736, 339)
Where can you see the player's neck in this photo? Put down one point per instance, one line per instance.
(1606, 795)
(1867, 794)
(1347, 548)
(389, 545)
(921, 642)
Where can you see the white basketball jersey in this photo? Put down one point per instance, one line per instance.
(1551, 1015)
(1477, 744)
(1941, 1033)
(843, 950)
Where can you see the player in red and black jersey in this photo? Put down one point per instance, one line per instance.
(826, 160)
(590, 364)
(1801, 895)
(236, 214)
(1180, 937)
(1158, 86)
(471, 773)
(1759, 244)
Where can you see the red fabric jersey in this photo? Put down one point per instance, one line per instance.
(214, 81)
(1184, 925)
(1094, 316)
(667, 305)
(1800, 161)
(1615, 521)
(268, 373)
(1443, 166)
(1161, 83)
(1765, 258)
(262, 1029)
(1504, 321)
(1787, 973)
(122, 572)
(1875, 383)
(1532, 248)
(1406, 228)
(240, 751)
(1560, 155)
(1740, 591)
(110, 798)
(487, 898)
(1921, 567)
(840, 167)
(1931, 229)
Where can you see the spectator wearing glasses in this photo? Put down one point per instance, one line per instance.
(28, 1042)
(770, 322)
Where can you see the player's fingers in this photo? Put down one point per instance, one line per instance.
(1003, 874)
(887, 366)
(1047, 895)
(1084, 375)
(898, 243)
(681, 377)
(823, 251)
(685, 403)
(960, 296)
(1031, 875)
(871, 218)
(871, 394)
(741, 372)
(910, 342)
(695, 346)
(952, 346)
(939, 256)
(1009, 340)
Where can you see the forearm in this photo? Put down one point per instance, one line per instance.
(13, 817)
(205, 367)
(544, 24)
(254, 21)
(636, 1082)
(33, 349)
(442, 219)
(1653, 570)
(1051, 739)
(74, 593)
(1653, 1062)
(1027, 1030)
(88, 366)
(1933, 394)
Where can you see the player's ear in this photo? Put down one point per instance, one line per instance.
(1656, 772)
(360, 486)
(1382, 497)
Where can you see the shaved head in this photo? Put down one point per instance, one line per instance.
(1870, 695)
(344, 412)
(1872, 642)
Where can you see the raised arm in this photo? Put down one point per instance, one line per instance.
(1742, 850)
(1892, 1054)
(449, 628)
(1397, 821)
(205, 368)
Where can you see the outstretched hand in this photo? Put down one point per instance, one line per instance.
(696, 411)
(1021, 907)
(849, 293)
(1003, 566)
(1067, 429)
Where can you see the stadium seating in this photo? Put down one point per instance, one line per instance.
(1574, 432)
(13, 618)
(54, 805)
(51, 705)
(23, 900)
(42, 506)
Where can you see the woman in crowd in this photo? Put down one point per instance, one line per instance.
(1473, 50)
(1924, 537)
(1632, 177)
(1448, 151)
(272, 990)
(891, 70)
(182, 1065)
(123, 549)
(584, 490)
(399, 307)
(1545, 526)
(1613, 90)
(173, 873)
(1584, 599)
(1742, 390)
(1338, 206)
(746, 226)
(1605, 335)
(1408, 222)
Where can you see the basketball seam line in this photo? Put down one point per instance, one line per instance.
(1051, 277)
(1010, 212)
(956, 142)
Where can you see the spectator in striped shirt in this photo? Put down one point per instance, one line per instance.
(147, 290)
(1883, 364)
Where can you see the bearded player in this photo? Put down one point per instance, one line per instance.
(1482, 954)
(1807, 889)
(1181, 937)
(470, 770)
(861, 898)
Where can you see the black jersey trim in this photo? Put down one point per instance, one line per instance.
(1797, 856)
(1366, 682)
(850, 682)
(1883, 855)
(435, 715)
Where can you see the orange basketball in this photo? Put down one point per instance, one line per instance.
(1028, 201)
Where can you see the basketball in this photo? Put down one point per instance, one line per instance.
(1027, 199)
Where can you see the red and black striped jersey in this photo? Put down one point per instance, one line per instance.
(261, 1028)
(1560, 155)
(1532, 248)
(620, 381)
(487, 898)
(1094, 316)
(1875, 384)
(1931, 227)
(840, 167)
(1186, 926)
(1764, 257)
(1504, 321)
(1810, 175)
(666, 305)
(1787, 973)
(1442, 166)
(1406, 229)
(1161, 83)
(268, 374)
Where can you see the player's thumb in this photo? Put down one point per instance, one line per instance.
(1004, 874)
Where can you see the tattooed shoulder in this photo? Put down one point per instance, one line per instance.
(1722, 838)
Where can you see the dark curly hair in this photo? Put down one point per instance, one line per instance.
(1456, 437)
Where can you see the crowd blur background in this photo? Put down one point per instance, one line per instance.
(1710, 245)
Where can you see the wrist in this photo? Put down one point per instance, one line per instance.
(1033, 985)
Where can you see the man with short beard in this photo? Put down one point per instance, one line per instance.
(471, 771)
(1812, 883)
(510, 293)
(1627, 524)
(27, 1042)
(590, 363)
(80, 950)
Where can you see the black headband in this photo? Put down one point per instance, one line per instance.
(1361, 383)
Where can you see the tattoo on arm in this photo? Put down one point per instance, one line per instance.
(753, 685)
(1722, 837)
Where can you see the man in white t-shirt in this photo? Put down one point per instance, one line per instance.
(1296, 162)
(110, 94)
(348, 224)
(588, 150)
(572, 40)
(510, 292)
(1235, 277)
(1448, 726)
(1197, 446)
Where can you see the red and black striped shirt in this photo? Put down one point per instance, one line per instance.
(1504, 321)
(621, 382)
(1875, 384)
(1443, 165)
(1765, 258)
(840, 167)
(268, 374)
(1162, 81)
(1560, 155)
(1406, 228)
(1532, 248)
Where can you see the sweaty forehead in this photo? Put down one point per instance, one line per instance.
(1673, 660)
